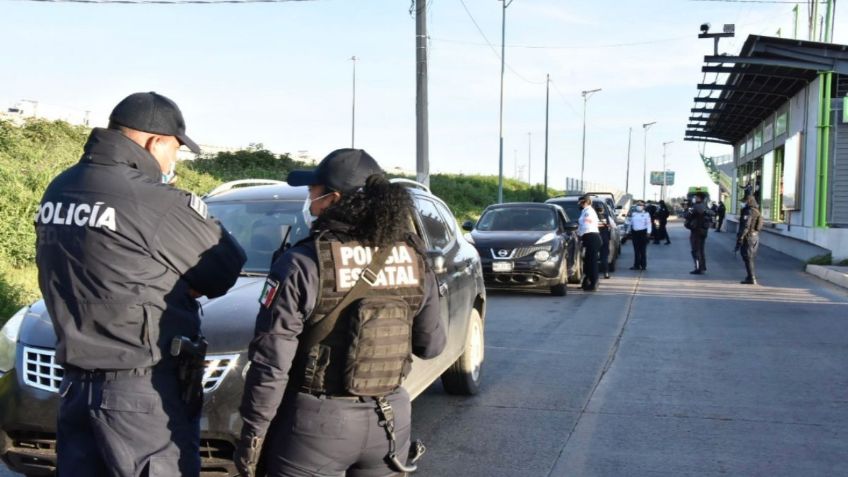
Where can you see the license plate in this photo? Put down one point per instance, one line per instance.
(501, 266)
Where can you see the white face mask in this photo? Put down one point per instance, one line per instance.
(307, 205)
(639, 208)
(167, 178)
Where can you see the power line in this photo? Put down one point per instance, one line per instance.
(492, 47)
(755, 1)
(572, 47)
(164, 2)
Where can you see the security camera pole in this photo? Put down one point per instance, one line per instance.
(645, 127)
(729, 30)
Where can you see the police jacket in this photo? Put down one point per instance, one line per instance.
(696, 218)
(294, 279)
(117, 254)
(748, 220)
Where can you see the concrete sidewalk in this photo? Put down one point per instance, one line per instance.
(832, 273)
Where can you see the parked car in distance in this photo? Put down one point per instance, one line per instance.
(263, 218)
(572, 210)
(527, 245)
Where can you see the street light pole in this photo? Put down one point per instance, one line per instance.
(586, 95)
(627, 179)
(529, 158)
(645, 127)
(422, 136)
(500, 119)
(547, 109)
(662, 193)
(353, 106)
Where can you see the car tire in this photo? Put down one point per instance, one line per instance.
(561, 288)
(463, 377)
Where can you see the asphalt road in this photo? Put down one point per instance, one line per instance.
(660, 373)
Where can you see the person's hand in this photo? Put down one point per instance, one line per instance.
(194, 293)
(246, 455)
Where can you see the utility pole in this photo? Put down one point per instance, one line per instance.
(353, 107)
(422, 136)
(627, 179)
(662, 192)
(547, 110)
(529, 158)
(645, 127)
(500, 120)
(795, 23)
(586, 95)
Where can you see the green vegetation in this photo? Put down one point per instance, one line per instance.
(33, 154)
(824, 259)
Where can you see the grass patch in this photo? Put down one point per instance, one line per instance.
(824, 259)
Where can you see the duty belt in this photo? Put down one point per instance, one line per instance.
(73, 372)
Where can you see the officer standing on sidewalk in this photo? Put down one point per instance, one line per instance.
(313, 388)
(122, 257)
(748, 237)
(590, 237)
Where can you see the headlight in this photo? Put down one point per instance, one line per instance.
(9, 340)
(545, 238)
(542, 255)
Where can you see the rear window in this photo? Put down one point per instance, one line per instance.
(572, 210)
(517, 219)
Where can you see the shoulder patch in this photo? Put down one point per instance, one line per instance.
(269, 292)
(196, 204)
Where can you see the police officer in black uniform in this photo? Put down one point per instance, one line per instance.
(311, 391)
(748, 237)
(604, 225)
(122, 257)
(698, 224)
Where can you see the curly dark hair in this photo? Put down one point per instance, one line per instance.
(379, 213)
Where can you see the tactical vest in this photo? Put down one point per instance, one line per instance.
(383, 357)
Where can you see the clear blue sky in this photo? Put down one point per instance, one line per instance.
(280, 74)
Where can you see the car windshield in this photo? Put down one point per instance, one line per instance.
(261, 227)
(517, 219)
(572, 210)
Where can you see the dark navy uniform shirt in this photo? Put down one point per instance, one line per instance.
(277, 329)
(117, 253)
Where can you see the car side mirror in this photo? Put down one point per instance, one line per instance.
(468, 226)
(571, 227)
(437, 261)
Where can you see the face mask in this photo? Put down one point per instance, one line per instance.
(167, 178)
(307, 205)
(639, 208)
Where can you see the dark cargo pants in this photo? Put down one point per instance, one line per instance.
(319, 436)
(697, 240)
(126, 424)
(749, 253)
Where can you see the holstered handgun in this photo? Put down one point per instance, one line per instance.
(191, 359)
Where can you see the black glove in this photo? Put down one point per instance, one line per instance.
(246, 455)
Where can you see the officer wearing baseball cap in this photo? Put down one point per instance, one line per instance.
(122, 257)
(341, 315)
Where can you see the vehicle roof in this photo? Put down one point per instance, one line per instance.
(510, 205)
(279, 192)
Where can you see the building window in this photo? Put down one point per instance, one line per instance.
(768, 131)
(780, 124)
(758, 139)
(791, 199)
(777, 213)
(749, 145)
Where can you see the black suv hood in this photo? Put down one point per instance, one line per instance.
(508, 240)
(227, 321)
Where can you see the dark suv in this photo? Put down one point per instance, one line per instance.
(262, 217)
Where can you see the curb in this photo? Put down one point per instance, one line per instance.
(836, 275)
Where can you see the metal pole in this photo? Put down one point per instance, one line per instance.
(586, 95)
(814, 21)
(795, 23)
(529, 158)
(500, 117)
(645, 127)
(627, 179)
(353, 107)
(665, 185)
(547, 110)
(422, 156)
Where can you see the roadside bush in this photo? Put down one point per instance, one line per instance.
(825, 259)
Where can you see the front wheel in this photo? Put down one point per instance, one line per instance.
(561, 288)
(464, 376)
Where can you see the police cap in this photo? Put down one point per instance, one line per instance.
(343, 170)
(152, 113)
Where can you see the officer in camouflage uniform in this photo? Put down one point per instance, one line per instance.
(748, 237)
(321, 399)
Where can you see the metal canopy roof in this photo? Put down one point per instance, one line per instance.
(762, 78)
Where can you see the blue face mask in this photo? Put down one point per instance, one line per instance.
(167, 178)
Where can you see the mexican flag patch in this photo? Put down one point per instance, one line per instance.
(269, 291)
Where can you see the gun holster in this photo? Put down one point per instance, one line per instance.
(191, 364)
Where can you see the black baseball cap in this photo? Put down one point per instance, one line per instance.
(152, 113)
(343, 170)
